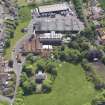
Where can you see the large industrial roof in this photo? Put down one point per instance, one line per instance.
(52, 8)
(69, 23)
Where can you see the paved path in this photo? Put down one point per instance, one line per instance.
(3, 98)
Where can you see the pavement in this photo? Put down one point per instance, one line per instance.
(3, 98)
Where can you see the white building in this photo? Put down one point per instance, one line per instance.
(53, 8)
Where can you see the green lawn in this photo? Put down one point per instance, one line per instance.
(102, 3)
(70, 88)
(22, 2)
(37, 2)
(3, 103)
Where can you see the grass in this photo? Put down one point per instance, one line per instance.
(102, 3)
(37, 2)
(3, 103)
(22, 2)
(25, 18)
(70, 88)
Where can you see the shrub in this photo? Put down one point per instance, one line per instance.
(103, 59)
(99, 99)
(47, 87)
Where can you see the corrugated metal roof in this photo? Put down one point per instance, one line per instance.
(52, 8)
(58, 24)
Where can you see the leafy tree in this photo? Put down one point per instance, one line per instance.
(7, 43)
(99, 99)
(62, 56)
(10, 63)
(26, 87)
(28, 68)
(41, 65)
(78, 6)
(24, 77)
(31, 58)
(52, 70)
(103, 59)
(73, 55)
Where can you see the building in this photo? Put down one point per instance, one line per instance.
(51, 38)
(40, 76)
(33, 45)
(48, 10)
(68, 24)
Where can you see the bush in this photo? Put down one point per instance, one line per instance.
(30, 57)
(99, 99)
(86, 65)
(7, 43)
(28, 86)
(103, 59)
(47, 87)
(10, 63)
(28, 69)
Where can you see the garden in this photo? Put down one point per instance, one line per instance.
(37, 75)
(69, 85)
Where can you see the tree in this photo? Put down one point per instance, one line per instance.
(91, 55)
(99, 99)
(73, 44)
(28, 69)
(7, 43)
(24, 77)
(28, 86)
(74, 55)
(103, 59)
(52, 70)
(62, 56)
(78, 6)
(10, 63)
(31, 58)
(89, 33)
(40, 65)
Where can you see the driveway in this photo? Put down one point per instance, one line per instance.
(17, 67)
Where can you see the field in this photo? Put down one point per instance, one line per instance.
(70, 88)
